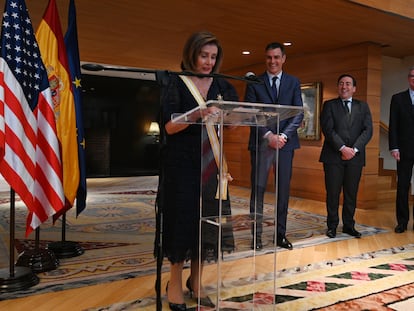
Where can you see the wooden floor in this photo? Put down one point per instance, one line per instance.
(104, 294)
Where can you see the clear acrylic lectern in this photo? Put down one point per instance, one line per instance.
(240, 272)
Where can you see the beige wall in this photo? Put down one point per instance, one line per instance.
(362, 61)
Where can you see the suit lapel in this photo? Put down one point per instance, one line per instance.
(354, 109)
(267, 86)
(409, 103)
(341, 111)
(280, 88)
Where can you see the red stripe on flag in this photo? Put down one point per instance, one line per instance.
(22, 116)
(18, 185)
(31, 151)
(42, 200)
(51, 17)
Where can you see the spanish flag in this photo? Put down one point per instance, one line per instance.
(53, 52)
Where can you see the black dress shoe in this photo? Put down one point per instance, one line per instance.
(259, 244)
(331, 233)
(283, 242)
(400, 229)
(351, 231)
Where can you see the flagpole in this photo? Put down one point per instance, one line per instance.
(38, 259)
(63, 248)
(17, 278)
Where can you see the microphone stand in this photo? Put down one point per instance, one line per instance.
(161, 73)
(162, 77)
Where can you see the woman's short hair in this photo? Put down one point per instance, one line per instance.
(192, 49)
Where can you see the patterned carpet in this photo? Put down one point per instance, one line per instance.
(381, 280)
(116, 230)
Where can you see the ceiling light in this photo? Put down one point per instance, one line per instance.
(246, 52)
(287, 43)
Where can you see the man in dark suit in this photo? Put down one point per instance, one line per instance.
(347, 126)
(401, 145)
(277, 88)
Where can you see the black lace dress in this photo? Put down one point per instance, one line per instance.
(180, 180)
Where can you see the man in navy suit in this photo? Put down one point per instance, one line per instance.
(347, 126)
(401, 145)
(277, 88)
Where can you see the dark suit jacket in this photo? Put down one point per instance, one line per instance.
(401, 125)
(340, 130)
(289, 94)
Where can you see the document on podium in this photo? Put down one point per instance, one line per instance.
(240, 113)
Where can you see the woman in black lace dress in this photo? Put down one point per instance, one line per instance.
(182, 172)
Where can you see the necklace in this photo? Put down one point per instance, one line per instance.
(203, 85)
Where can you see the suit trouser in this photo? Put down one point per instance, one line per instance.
(266, 159)
(404, 173)
(345, 177)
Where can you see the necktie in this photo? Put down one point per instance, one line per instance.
(274, 88)
(346, 102)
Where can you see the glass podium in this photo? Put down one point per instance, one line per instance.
(235, 271)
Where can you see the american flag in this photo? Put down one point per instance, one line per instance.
(30, 158)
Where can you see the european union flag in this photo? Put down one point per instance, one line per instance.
(72, 50)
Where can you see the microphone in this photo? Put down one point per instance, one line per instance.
(250, 76)
(93, 67)
(99, 67)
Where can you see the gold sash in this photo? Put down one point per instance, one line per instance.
(214, 141)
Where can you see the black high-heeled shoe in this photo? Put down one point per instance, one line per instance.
(175, 306)
(188, 285)
(204, 301)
